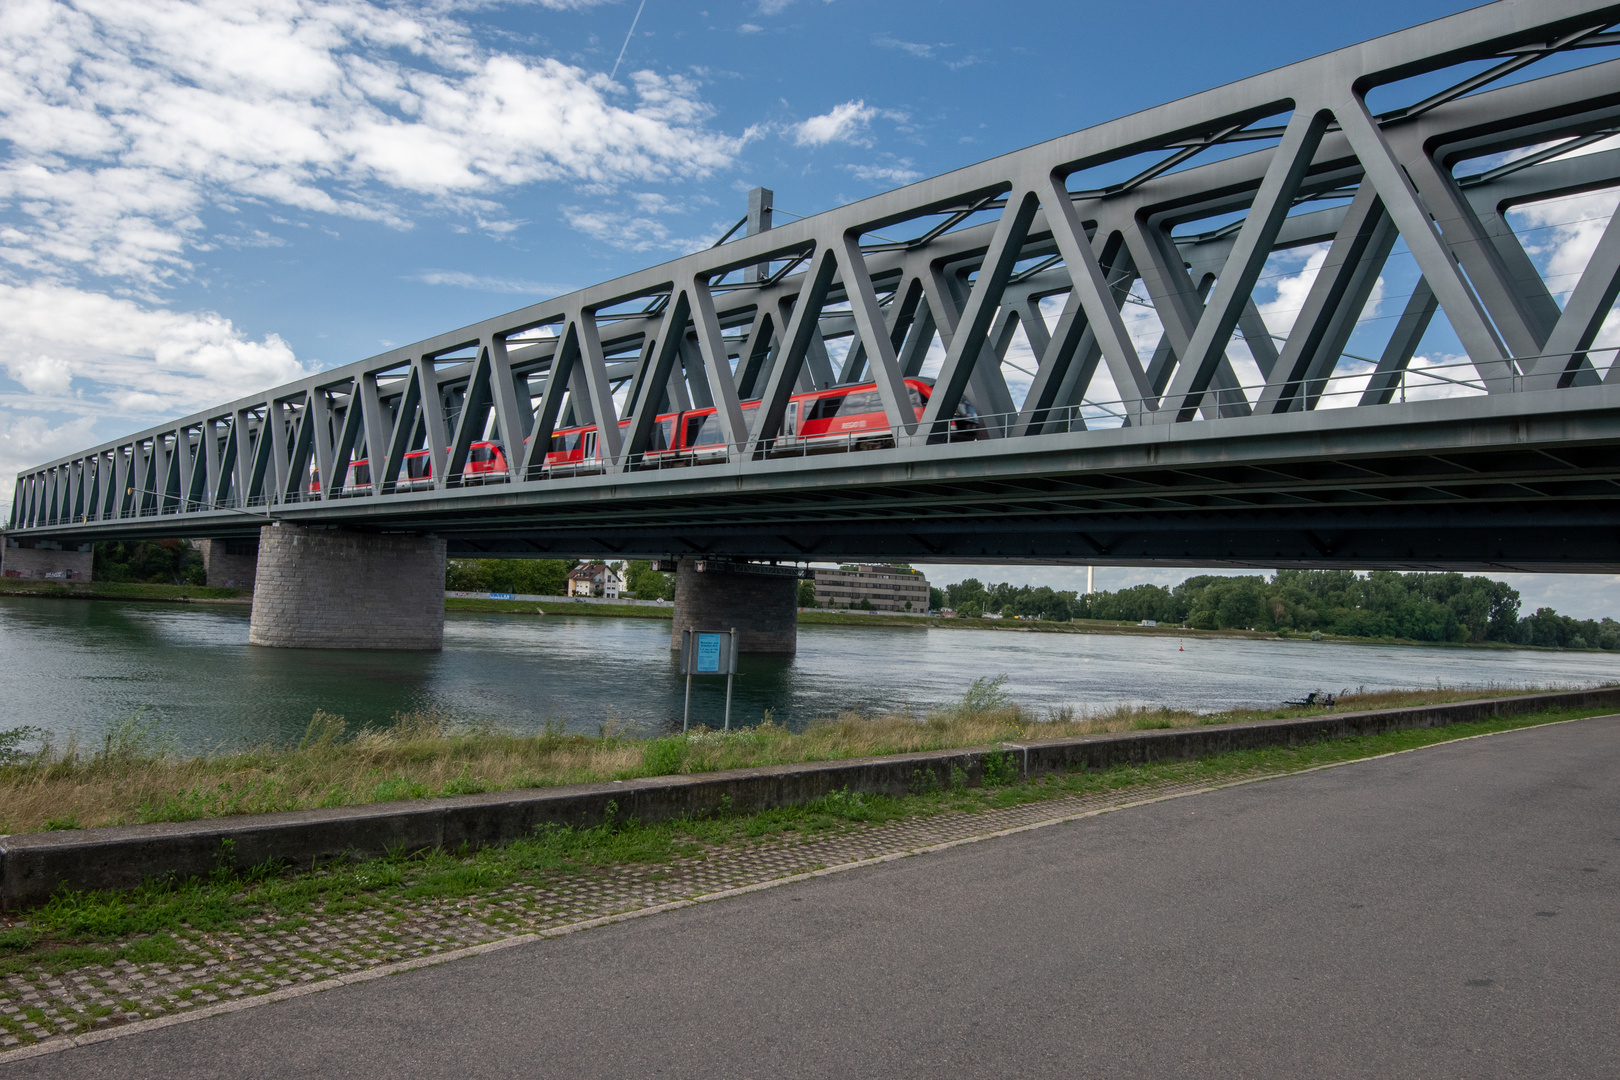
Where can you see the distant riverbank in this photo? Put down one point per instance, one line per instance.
(114, 590)
(823, 617)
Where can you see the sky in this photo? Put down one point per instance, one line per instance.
(200, 199)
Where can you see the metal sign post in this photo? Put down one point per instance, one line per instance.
(706, 653)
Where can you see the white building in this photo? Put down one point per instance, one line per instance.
(596, 579)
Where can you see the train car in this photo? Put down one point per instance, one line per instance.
(485, 461)
(840, 418)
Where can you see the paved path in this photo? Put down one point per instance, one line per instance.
(1449, 912)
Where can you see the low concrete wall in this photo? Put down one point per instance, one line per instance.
(230, 564)
(46, 562)
(34, 865)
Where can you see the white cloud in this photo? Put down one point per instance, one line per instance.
(27, 440)
(125, 125)
(102, 356)
(630, 232)
(462, 280)
(915, 48)
(125, 121)
(844, 123)
(1561, 234)
(93, 366)
(897, 173)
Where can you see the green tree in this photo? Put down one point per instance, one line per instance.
(649, 584)
(535, 577)
(807, 593)
(966, 592)
(149, 562)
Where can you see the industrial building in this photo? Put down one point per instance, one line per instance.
(887, 588)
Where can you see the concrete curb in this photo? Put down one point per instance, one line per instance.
(35, 865)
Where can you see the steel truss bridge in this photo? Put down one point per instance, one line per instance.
(1425, 138)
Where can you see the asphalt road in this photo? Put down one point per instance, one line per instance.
(1450, 912)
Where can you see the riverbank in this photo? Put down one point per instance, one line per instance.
(122, 590)
(133, 777)
(111, 590)
(826, 617)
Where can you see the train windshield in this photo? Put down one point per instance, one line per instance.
(418, 466)
(482, 452)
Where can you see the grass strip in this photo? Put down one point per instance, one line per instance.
(148, 924)
(116, 590)
(134, 776)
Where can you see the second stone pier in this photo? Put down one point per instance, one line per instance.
(762, 602)
(335, 589)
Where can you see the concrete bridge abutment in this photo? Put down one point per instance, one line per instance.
(336, 589)
(762, 602)
(46, 560)
(230, 564)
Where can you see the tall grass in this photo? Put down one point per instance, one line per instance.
(135, 775)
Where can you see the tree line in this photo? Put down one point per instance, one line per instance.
(547, 577)
(1418, 606)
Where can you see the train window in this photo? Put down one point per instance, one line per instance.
(661, 433)
(703, 430)
(482, 452)
(565, 443)
(418, 466)
(360, 473)
(861, 401)
(916, 396)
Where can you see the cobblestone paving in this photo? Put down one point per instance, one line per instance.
(264, 957)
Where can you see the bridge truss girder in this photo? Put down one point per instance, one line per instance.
(979, 248)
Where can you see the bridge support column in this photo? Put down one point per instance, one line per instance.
(230, 564)
(763, 607)
(46, 560)
(334, 589)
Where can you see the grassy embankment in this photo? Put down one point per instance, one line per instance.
(150, 923)
(132, 777)
(118, 590)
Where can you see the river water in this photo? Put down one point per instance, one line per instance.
(77, 665)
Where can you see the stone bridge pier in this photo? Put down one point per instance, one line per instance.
(337, 589)
(761, 601)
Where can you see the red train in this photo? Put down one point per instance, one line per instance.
(838, 418)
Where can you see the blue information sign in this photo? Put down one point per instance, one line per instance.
(502, 596)
(708, 653)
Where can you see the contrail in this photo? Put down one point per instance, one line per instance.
(627, 38)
